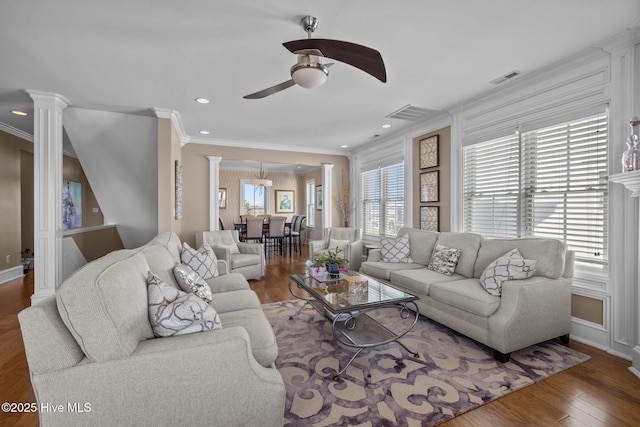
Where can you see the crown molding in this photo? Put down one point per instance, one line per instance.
(174, 116)
(16, 132)
(264, 146)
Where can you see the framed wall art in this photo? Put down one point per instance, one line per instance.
(71, 204)
(319, 197)
(430, 218)
(285, 201)
(430, 187)
(429, 152)
(222, 198)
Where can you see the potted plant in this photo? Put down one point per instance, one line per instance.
(331, 260)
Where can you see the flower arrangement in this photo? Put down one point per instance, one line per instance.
(330, 258)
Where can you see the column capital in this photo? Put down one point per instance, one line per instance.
(61, 101)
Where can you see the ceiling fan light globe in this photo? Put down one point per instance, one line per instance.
(309, 76)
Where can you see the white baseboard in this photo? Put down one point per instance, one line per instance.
(12, 273)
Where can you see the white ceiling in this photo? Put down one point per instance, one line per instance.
(130, 56)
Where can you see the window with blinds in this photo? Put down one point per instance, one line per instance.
(548, 182)
(383, 200)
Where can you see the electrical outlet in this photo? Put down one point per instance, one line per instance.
(95, 210)
(8, 259)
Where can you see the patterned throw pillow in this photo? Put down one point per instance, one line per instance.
(189, 281)
(202, 261)
(173, 312)
(396, 250)
(510, 266)
(444, 260)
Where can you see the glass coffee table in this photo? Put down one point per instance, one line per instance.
(349, 301)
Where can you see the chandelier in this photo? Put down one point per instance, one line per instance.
(261, 179)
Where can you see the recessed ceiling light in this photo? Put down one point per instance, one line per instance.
(202, 100)
(386, 125)
(344, 146)
(19, 113)
(204, 132)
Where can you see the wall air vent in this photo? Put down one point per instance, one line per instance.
(505, 77)
(411, 113)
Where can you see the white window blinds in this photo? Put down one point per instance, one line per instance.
(549, 182)
(383, 200)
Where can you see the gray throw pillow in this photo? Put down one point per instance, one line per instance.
(203, 261)
(173, 312)
(190, 282)
(444, 260)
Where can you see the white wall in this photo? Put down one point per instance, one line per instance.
(119, 154)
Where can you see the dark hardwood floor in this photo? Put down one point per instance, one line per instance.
(599, 392)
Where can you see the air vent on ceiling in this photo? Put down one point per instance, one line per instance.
(409, 112)
(506, 77)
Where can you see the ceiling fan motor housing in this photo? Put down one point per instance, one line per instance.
(308, 72)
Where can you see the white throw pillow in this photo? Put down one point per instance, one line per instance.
(173, 312)
(396, 250)
(444, 260)
(510, 266)
(202, 261)
(190, 282)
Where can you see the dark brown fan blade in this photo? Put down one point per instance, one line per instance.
(271, 90)
(362, 57)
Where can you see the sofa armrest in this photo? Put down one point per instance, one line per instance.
(198, 379)
(531, 310)
(355, 255)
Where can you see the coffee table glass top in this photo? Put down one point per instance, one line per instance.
(352, 291)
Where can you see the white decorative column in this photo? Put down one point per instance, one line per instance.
(47, 158)
(327, 195)
(214, 191)
(631, 180)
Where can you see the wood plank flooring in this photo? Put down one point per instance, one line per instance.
(599, 392)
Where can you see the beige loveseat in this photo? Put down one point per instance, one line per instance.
(529, 311)
(92, 345)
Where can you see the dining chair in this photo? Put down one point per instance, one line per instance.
(274, 237)
(295, 235)
(254, 229)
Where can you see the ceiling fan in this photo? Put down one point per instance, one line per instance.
(309, 72)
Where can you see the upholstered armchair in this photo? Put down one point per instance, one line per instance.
(349, 240)
(241, 257)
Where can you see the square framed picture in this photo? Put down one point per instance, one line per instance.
(319, 197)
(285, 201)
(430, 218)
(430, 187)
(429, 152)
(222, 198)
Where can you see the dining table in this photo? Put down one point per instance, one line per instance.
(242, 228)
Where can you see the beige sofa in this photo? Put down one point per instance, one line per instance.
(92, 344)
(528, 312)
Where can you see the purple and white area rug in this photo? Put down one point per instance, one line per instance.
(385, 385)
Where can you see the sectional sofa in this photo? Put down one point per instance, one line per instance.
(91, 349)
(527, 312)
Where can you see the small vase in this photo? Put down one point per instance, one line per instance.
(631, 157)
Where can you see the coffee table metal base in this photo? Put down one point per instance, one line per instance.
(357, 329)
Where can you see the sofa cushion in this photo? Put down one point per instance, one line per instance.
(203, 261)
(469, 243)
(510, 266)
(244, 260)
(422, 243)
(465, 294)
(419, 280)
(104, 305)
(190, 281)
(444, 260)
(382, 270)
(396, 250)
(226, 302)
(548, 253)
(161, 263)
(263, 341)
(228, 282)
(340, 244)
(173, 312)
